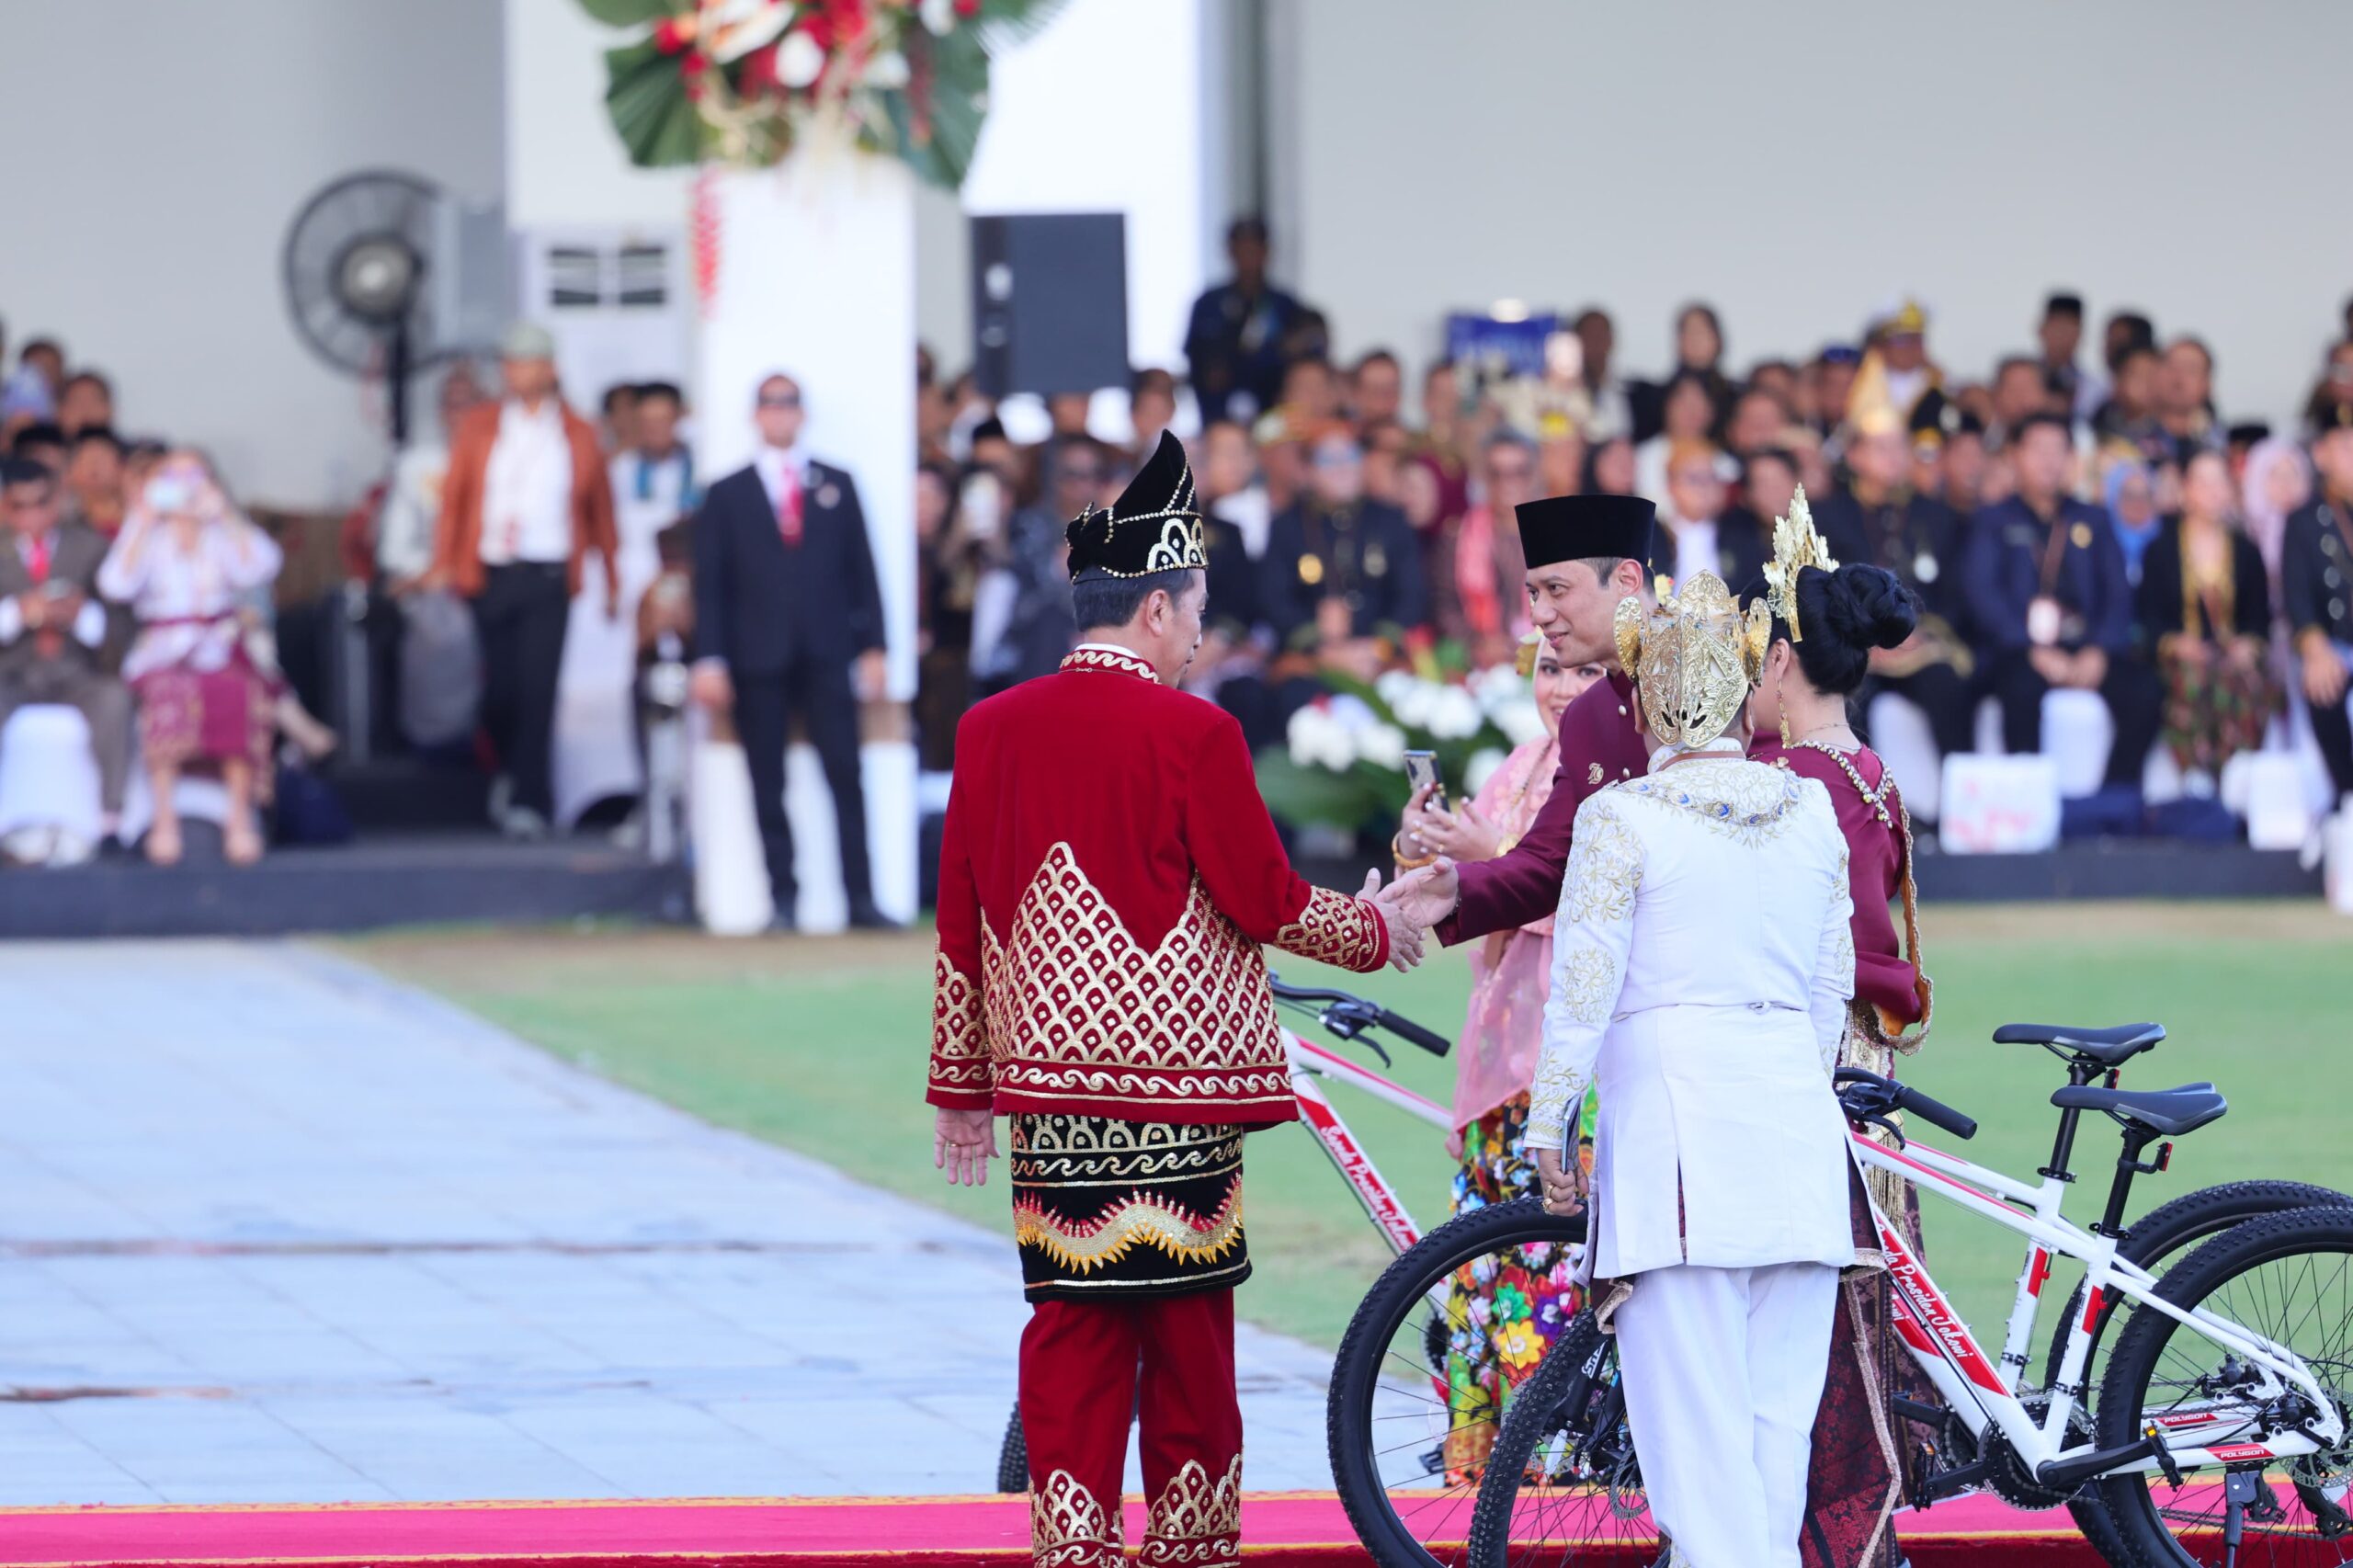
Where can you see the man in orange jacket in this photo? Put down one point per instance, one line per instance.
(525, 505)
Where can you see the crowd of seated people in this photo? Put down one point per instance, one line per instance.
(2080, 519)
(134, 603)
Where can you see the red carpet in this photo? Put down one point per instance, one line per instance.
(1293, 1530)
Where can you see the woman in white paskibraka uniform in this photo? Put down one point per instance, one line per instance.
(1702, 961)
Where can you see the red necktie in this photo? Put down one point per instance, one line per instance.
(788, 505)
(37, 559)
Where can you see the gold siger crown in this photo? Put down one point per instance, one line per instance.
(1694, 659)
(1795, 547)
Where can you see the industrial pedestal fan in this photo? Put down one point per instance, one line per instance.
(387, 275)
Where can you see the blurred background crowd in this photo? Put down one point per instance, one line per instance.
(1361, 523)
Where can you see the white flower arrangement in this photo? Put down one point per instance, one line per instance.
(1343, 761)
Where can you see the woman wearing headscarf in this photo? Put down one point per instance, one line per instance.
(185, 563)
(1703, 962)
(2278, 479)
(1505, 1312)
(1826, 621)
(2205, 605)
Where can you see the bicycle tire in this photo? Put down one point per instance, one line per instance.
(2124, 1391)
(2161, 1232)
(1355, 1369)
(1532, 1417)
(1013, 1455)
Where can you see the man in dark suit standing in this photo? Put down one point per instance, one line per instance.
(788, 621)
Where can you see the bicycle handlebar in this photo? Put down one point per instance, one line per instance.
(1884, 1095)
(1348, 1016)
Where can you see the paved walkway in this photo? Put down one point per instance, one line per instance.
(273, 1229)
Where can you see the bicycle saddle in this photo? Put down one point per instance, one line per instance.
(2171, 1112)
(2108, 1047)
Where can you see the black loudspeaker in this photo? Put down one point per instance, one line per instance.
(1050, 302)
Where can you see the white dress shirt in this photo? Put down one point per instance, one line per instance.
(527, 492)
(772, 463)
(1695, 549)
(1703, 960)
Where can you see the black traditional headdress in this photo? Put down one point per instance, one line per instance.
(1584, 527)
(1155, 525)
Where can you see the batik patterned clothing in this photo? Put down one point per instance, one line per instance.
(1504, 1310)
(1104, 1208)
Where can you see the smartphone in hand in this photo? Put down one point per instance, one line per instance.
(1421, 768)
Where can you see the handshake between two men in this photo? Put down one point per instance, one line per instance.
(1411, 905)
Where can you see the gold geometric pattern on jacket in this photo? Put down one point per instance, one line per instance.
(1334, 928)
(1100, 1150)
(959, 1045)
(1075, 1008)
(1068, 1528)
(1140, 1220)
(1195, 1519)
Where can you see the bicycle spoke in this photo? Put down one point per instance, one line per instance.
(2300, 1298)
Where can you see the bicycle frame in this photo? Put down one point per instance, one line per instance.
(1310, 1062)
(1949, 1353)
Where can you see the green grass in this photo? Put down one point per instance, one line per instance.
(820, 1046)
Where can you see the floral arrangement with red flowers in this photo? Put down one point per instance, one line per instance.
(735, 82)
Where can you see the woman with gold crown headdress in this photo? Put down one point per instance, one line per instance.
(1826, 621)
(1702, 963)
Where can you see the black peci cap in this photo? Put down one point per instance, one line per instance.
(1579, 528)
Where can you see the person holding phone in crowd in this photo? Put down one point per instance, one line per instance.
(184, 562)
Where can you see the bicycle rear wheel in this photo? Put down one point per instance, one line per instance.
(1408, 1425)
(2165, 1231)
(1562, 1485)
(2288, 1278)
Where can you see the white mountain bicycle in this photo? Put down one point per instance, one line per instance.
(2221, 1433)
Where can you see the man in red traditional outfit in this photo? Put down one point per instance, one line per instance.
(1585, 555)
(1107, 875)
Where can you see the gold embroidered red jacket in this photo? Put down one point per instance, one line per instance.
(1107, 875)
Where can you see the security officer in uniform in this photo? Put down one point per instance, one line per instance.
(2316, 591)
(2044, 581)
(1341, 582)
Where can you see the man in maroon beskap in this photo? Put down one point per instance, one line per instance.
(1585, 555)
(1107, 875)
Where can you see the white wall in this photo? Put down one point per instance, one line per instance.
(564, 164)
(1798, 164)
(157, 152)
(1108, 110)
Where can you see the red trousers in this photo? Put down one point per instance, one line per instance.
(1087, 1366)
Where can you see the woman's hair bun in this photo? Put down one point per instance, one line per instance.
(1868, 606)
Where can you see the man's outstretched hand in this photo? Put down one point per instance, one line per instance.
(961, 1144)
(1426, 895)
(1404, 936)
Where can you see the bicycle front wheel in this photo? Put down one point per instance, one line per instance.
(1562, 1485)
(1435, 1352)
(2287, 1279)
